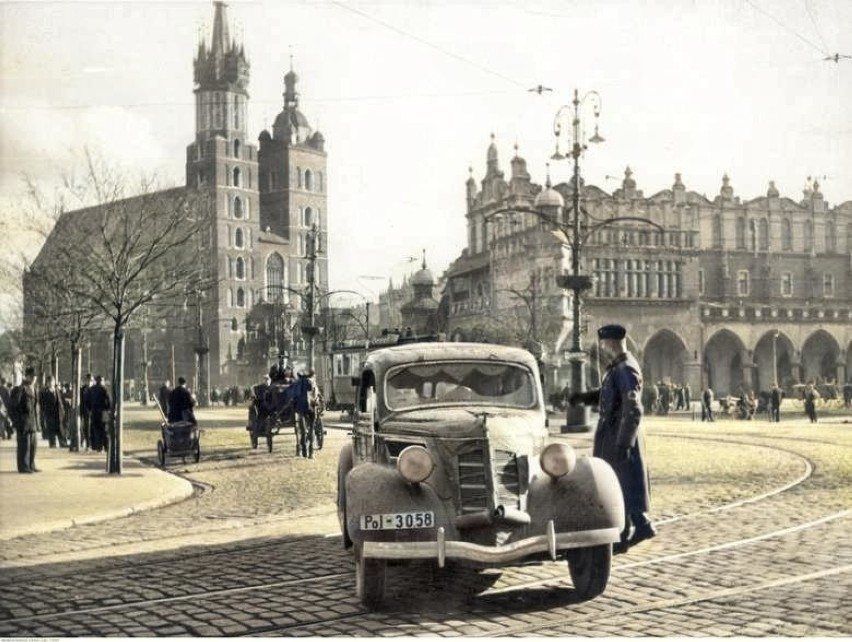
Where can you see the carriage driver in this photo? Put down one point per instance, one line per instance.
(281, 372)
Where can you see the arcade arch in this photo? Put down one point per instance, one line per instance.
(773, 360)
(664, 358)
(725, 360)
(820, 357)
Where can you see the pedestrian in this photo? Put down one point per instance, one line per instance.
(163, 395)
(6, 427)
(707, 404)
(775, 397)
(69, 424)
(52, 413)
(687, 396)
(847, 394)
(810, 396)
(181, 403)
(24, 406)
(304, 402)
(99, 406)
(258, 410)
(618, 438)
(85, 412)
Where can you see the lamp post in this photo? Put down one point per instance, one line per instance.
(775, 357)
(550, 208)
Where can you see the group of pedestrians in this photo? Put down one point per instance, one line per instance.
(665, 396)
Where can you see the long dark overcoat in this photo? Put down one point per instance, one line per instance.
(620, 425)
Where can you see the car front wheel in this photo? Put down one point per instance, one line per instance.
(369, 579)
(590, 569)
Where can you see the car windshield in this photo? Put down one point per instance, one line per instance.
(464, 382)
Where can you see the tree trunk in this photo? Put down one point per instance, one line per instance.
(115, 426)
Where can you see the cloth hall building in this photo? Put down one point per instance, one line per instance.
(722, 291)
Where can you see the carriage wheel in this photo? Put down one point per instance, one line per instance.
(161, 453)
(319, 432)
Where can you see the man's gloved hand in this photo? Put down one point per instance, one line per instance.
(622, 454)
(576, 398)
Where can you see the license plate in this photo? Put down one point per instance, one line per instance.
(397, 521)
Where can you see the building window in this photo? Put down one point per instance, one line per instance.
(298, 177)
(236, 177)
(787, 284)
(309, 180)
(606, 278)
(241, 298)
(741, 233)
(763, 234)
(717, 231)
(743, 283)
(701, 282)
(828, 285)
(240, 267)
(238, 237)
(274, 273)
(308, 219)
(234, 325)
(238, 207)
(830, 237)
(236, 148)
(786, 235)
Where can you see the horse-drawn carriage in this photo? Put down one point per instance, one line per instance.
(273, 407)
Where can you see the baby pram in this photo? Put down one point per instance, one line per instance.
(178, 439)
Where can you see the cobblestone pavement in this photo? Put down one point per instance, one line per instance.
(772, 558)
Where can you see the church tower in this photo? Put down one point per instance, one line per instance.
(221, 163)
(293, 188)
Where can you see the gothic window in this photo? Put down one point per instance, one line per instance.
(786, 284)
(238, 207)
(786, 234)
(828, 285)
(319, 182)
(309, 217)
(238, 238)
(234, 325)
(763, 234)
(236, 148)
(743, 285)
(240, 267)
(274, 273)
(741, 233)
(717, 231)
(309, 180)
(241, 298)
(830, 237)
(236, 177)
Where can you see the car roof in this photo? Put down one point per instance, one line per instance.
(447, 350)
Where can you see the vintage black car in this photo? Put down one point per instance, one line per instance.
(451, 459)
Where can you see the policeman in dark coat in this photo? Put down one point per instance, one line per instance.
(618, 438)
(181, 403)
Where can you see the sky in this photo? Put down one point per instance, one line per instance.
(409, 92)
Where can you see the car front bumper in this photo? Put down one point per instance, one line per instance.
(440, 549)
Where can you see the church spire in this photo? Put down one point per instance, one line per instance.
(221, 39)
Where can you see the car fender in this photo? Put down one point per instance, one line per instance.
(373, 489)
(589, 497)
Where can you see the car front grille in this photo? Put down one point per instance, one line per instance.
(478, 474)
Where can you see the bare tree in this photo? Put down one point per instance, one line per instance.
(117, 257)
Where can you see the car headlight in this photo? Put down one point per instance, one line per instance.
(557, 460)
(415, 464)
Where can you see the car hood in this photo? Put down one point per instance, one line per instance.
(506, 428)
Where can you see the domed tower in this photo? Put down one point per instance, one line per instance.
(421, 313)
(293, 184)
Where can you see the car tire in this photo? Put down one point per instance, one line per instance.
(369, 579)
(589, 569)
